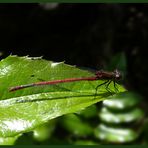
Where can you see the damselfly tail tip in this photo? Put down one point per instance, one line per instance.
(15, 88)
(11, 89)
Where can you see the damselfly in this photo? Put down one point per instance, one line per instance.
(99, 75)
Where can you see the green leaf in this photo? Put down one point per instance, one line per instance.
(76, 126)
(85, 142)
(133, 115)
(24, 110)
(44, 132)
(115, 134)
(8, 140)
(121, 101)
(89, 112)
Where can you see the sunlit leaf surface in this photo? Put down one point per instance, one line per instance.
(26, 109)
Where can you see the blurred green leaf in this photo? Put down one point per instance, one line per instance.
(76, 126)
(123, 101)
(89, 112)
(133, 115)
(85, 142)
(145, 131)
(24, 110)
(8, 140)
(25, 139)
(45, 131)
(115, 134)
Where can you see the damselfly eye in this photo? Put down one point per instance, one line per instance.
(117, 74)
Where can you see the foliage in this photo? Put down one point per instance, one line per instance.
(24, 110)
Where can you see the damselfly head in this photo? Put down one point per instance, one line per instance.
(117, 75)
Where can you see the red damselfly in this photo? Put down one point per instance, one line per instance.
(99, 75)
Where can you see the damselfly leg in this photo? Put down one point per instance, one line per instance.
(115, 86)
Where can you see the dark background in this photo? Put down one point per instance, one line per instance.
(86, 35)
